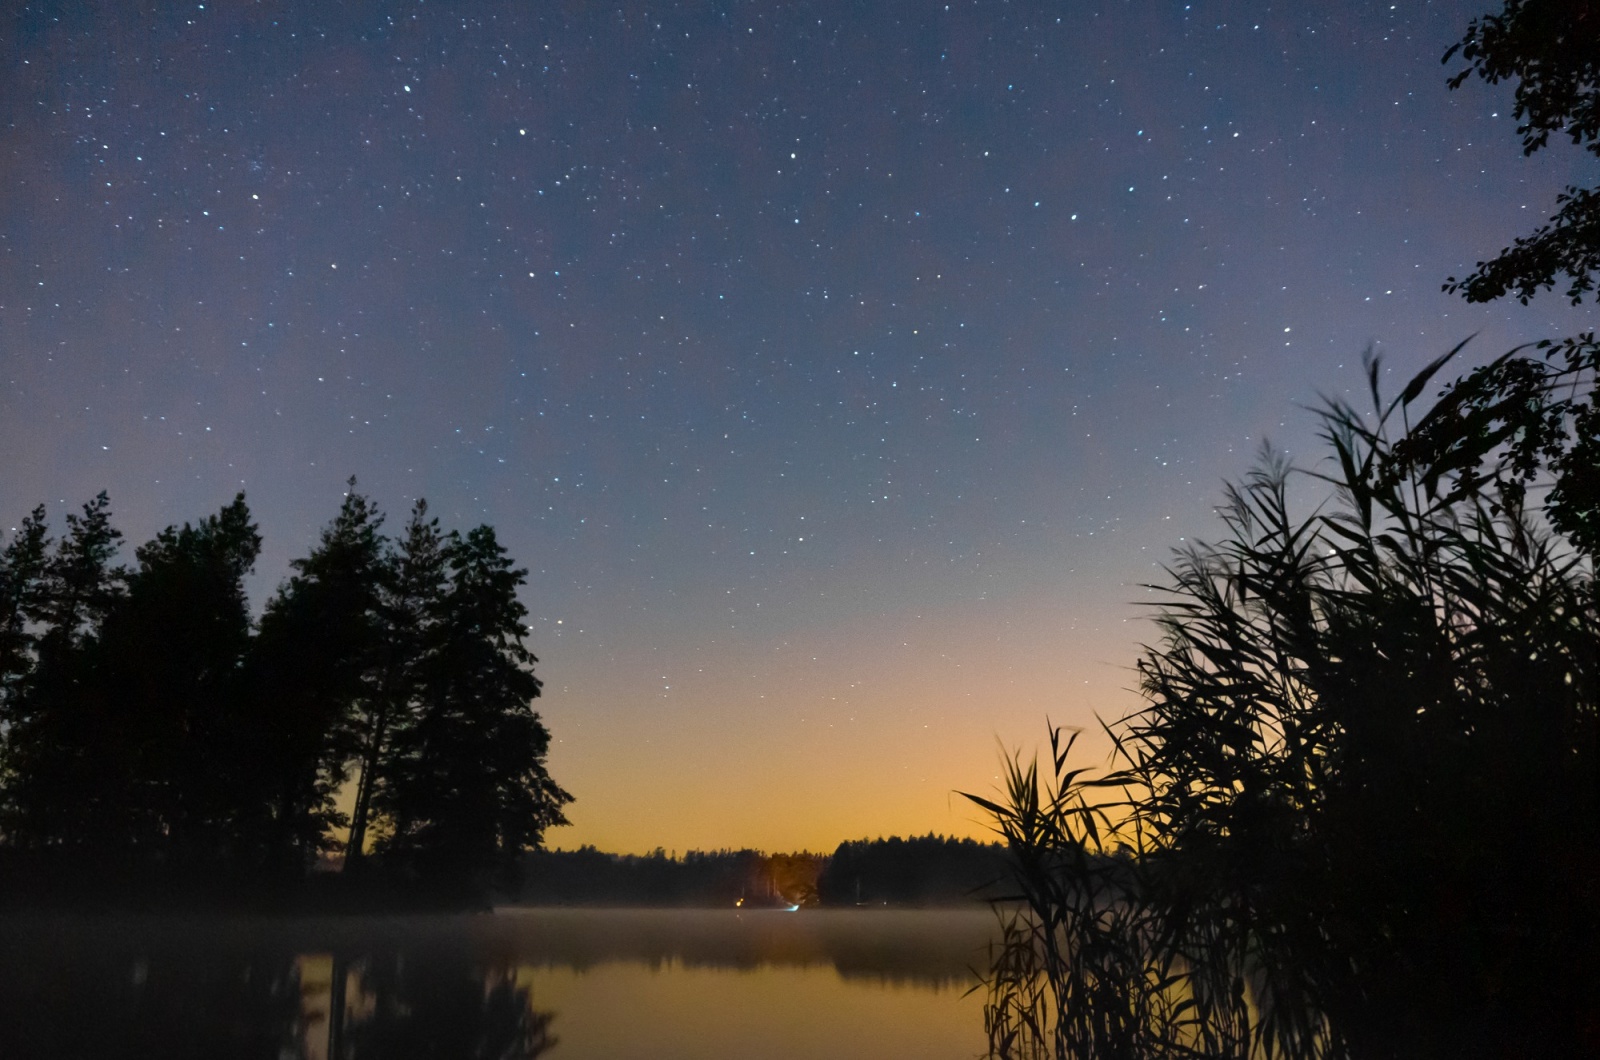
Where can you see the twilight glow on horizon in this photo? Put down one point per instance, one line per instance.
(840, 371)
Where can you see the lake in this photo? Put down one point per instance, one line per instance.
(568, 984)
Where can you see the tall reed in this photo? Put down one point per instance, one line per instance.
(1359, 812)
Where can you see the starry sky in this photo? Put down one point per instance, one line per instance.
(840, 371)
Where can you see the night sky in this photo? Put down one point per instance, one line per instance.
(839, 370)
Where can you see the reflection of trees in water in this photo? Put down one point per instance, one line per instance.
(363, 988)
(921, 948)
(175, 1005)
(398, 1006)
(117, 1001)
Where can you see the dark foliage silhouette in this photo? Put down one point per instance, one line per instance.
(921, 870)
(165, 692)
(154, 744)
(1551, 49)
(1363, 798)
(409, 606)
(705, 878)
(1364, 790)
(319, 640)
(60, 591)
(469, 792)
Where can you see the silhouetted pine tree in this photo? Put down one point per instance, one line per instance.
(53, 729)
(320, 641)
(165, 681)
(410, 605)
(22, 572)
(470, 791)
(22, 568)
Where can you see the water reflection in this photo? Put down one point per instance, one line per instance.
(934, 949)
(82, 990)
(397, 1008)
(520, 984)
(83, 1002)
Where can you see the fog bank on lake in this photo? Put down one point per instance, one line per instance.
(567, 983)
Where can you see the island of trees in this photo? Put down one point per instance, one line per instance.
(160, 744)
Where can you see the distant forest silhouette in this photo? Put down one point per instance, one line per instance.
(157, 743)
(920, 871)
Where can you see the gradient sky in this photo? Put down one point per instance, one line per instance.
(839, 370)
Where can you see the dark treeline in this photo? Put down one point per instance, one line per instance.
(156, 739)
(922, 871)
(588, 876)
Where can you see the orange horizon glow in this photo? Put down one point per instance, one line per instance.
(863, 731)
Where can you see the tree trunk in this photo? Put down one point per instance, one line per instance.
(355, 847)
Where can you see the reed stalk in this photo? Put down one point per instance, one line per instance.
(1359, 812)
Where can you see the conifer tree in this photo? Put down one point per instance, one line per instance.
(22, 565)
(166, 685)
(471, 792)
(22, 570)
(320, 639)
(50, 720)
(410, 605)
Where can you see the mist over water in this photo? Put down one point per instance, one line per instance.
(562, 983)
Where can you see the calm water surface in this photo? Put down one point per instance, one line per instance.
(563, 984)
